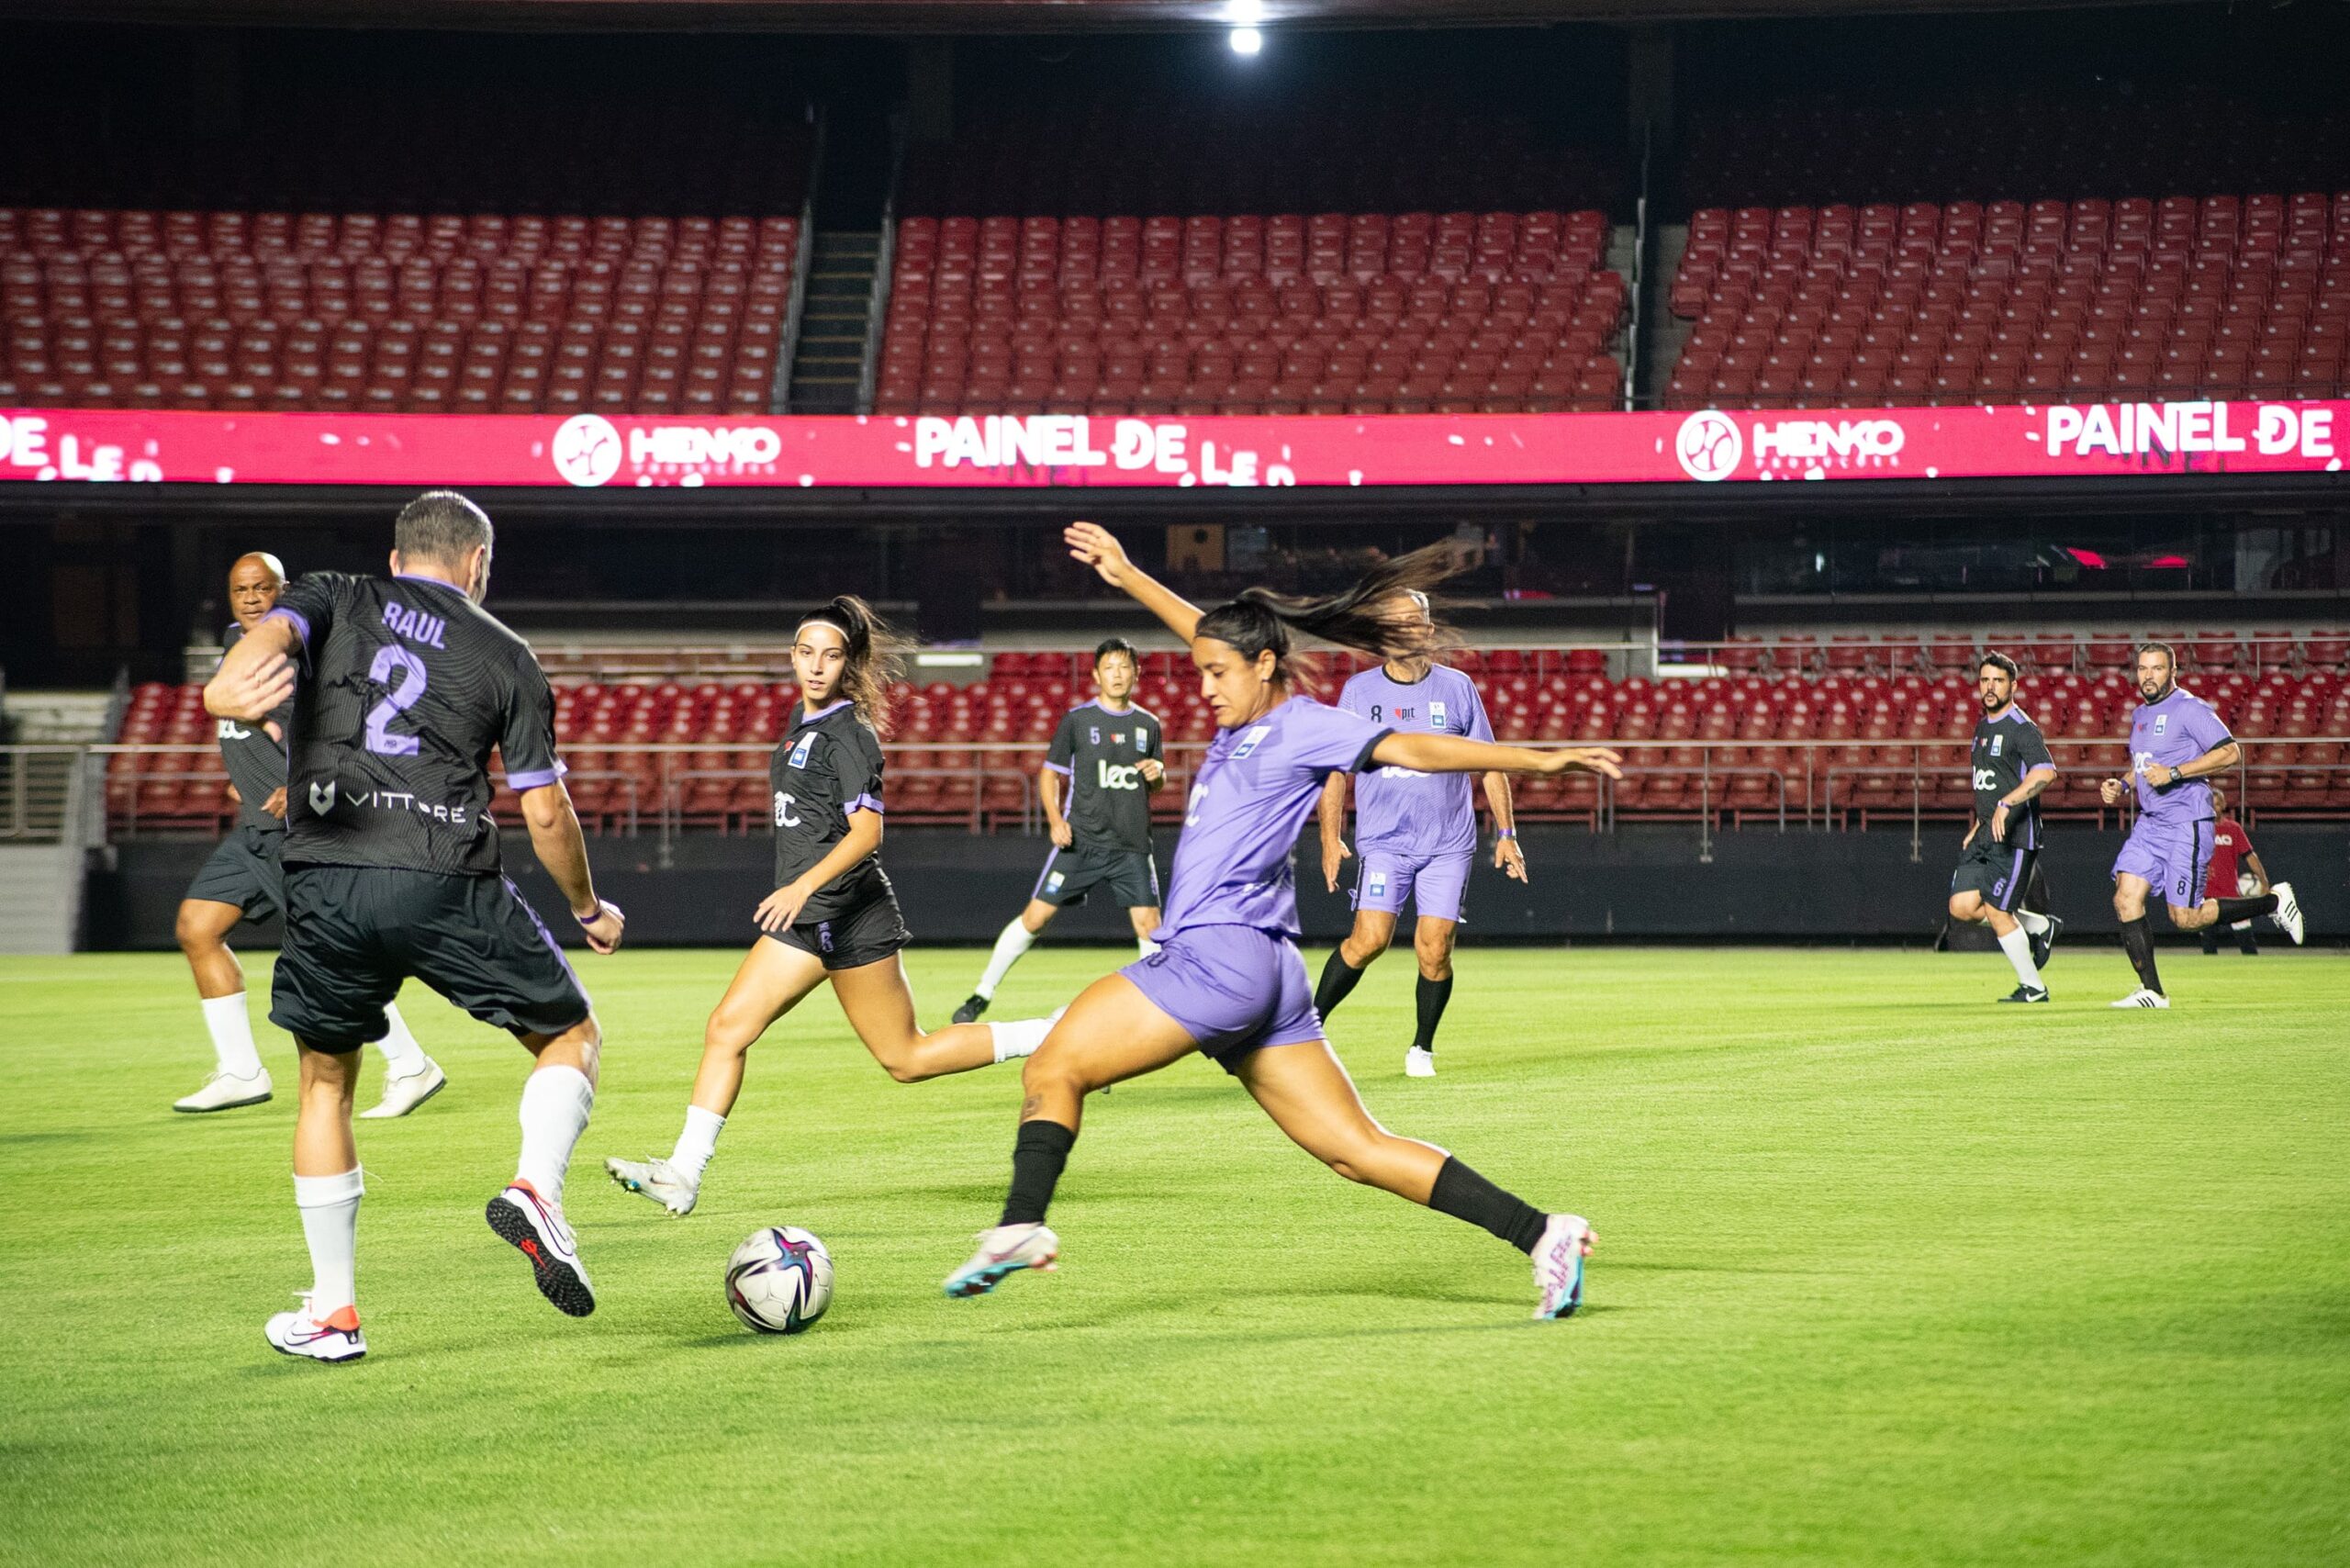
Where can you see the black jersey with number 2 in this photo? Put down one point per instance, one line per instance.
(255, 759)
(827, 764)
(407, 686)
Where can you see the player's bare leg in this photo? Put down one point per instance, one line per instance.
(1145, 919)
(881, 1008)
(1310, 1098)
(556, 1100)
(1013, 941)
(1370, 936)
(327, 1188)
(238, 1077)
(1111, 1032)
(1432, 939)
(770, 981)
(2129, 894)
(2014, 941)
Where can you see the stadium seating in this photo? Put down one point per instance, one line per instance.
(1369, 313)
(1967, 302)
(396, 312)
(1819, 743)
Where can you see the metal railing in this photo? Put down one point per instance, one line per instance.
(1818, 784)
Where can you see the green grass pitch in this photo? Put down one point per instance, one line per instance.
(1887, 1274)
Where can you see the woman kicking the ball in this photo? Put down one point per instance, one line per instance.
(1228, 980)
(833, 915)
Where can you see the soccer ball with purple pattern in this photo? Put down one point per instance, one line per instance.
(779, 1281)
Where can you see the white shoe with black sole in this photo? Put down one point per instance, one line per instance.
(2289, 911)
(536, 1230)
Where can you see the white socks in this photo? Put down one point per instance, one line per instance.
(696, 1143)
(555, 1102)
(232, 1036)
(2017, 945)
(1011, 942)
(2033, 924)
(1147, 945)
(329, 1206)
(1021, 1035)
(403, 1058)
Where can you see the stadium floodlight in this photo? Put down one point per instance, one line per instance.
(1247, 40)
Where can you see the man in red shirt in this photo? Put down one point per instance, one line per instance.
(2235, 867)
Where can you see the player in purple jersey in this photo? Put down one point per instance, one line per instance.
(833, 915)
(2177, 743)
(1417, 832)
(1228, 980)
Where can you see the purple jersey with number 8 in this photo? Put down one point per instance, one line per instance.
(2173, 731)
(1258, 785)
(1399, 810)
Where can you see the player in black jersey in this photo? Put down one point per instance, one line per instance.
(392, 869)
(1112, 753)
(833, 915)
(2011, 768)
(244, 879)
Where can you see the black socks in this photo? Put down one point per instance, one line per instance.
(2138, 941)
(1431, 998)
(1339, 977)
(1462, 1194)
(2233, 910)
(1037, 1155)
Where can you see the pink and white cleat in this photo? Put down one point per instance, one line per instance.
(1558, 1265)
(298, 1333)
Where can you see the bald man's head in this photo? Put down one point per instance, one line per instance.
(254, 583)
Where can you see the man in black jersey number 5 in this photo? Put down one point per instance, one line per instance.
(392, 869)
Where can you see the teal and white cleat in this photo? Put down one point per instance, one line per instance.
(1006, 1249)
(1558, 1265)
(657, 1180)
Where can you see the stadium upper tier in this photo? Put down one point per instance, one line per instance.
(1334, 313)
(396, 312)
(1822, 742)
(1965, 302)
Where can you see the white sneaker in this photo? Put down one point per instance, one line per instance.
(224, 1092)
(402, 1096)
(2141, 997)
(1558, 1265)
(298, 1333)
(2289, 911)
(657, 1180)
(1419, 1062)
(1006, 1249)
(535, 1228)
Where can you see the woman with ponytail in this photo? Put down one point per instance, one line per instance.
(832, 915)
(1228, 980)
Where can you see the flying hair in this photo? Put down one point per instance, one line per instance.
(1386, 613)
(877, 656)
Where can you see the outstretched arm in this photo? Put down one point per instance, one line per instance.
(1093, 545)
(1450, 753)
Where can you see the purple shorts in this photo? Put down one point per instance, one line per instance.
(1234, 990)
(1438, 884)
(2171, 857)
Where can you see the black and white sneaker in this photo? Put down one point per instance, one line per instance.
(2044, 947)
(2026, 993)
(536, 1230)
(973, 1005)
(2288, 912)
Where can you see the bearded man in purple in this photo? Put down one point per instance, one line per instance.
(2177, 743)
(1228, 980)
(1417, 832)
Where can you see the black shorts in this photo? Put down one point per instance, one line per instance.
(354, 932)
(1129, 876)
(245, 871)
(1996, 871)
(864, 933)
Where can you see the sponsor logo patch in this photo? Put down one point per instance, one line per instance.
(799, 757)
(1250, 742)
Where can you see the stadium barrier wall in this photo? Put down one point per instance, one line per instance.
(1707, 446)
(1637, 883)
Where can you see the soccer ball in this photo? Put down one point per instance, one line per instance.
(779, 1281)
